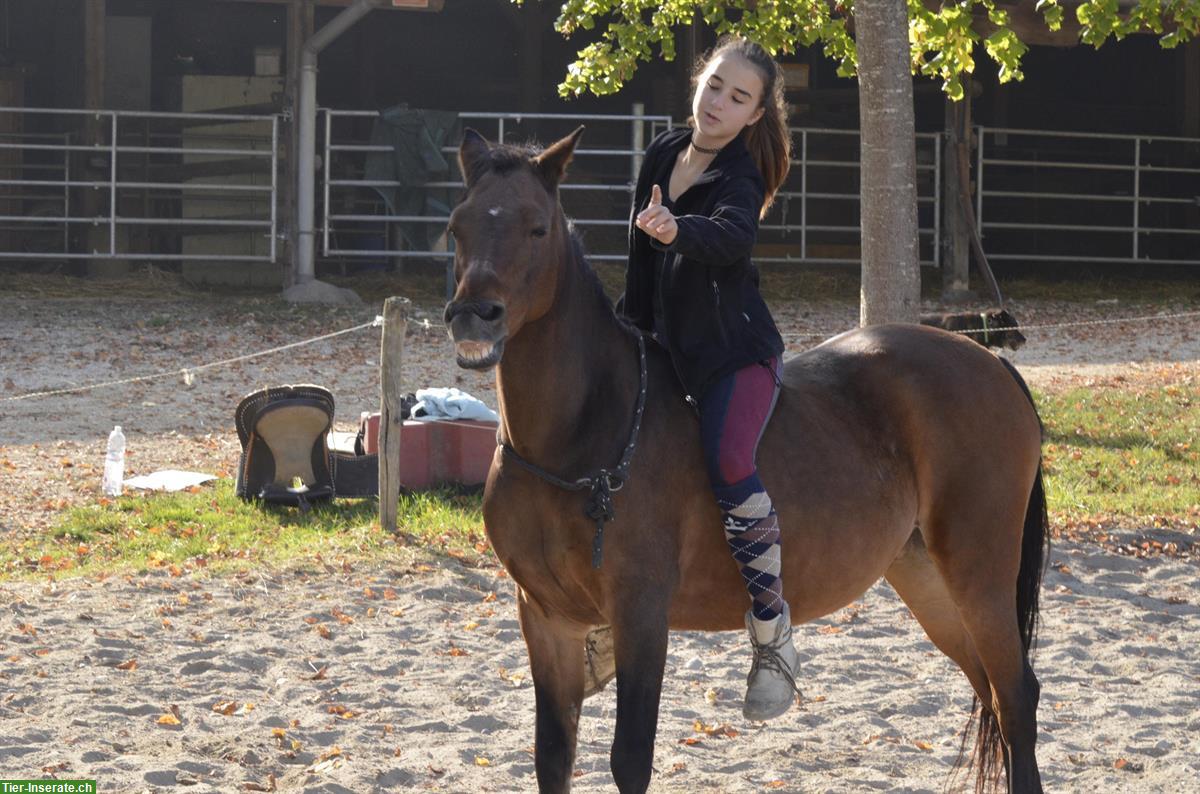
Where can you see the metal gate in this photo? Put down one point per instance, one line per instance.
(1088, 197)
(131, 185)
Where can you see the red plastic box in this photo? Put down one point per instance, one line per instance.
(439, 451)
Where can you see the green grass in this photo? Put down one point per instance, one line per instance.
(1123, 456)
(210, 528)
(1114, 456)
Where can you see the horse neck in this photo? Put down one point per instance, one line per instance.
(569, 377)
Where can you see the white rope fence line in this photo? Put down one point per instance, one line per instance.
(1043, 326)
(187, 373)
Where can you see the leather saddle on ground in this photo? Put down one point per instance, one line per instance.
(286, 454)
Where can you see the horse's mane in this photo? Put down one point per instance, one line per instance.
(579, 256)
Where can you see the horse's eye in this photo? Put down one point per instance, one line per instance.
(539, 231)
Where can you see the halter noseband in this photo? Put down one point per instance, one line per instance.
(603, 483)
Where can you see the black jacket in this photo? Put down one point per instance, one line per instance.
(714, 319)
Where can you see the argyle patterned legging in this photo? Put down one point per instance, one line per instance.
(733, 415)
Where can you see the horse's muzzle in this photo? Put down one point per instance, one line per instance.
(478, 329)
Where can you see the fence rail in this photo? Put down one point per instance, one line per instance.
(148, 185)
(97, 184)
(352, 181)
(1088, 197)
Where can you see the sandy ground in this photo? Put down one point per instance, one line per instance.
(415, 677)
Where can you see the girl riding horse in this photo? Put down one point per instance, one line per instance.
(690, 283)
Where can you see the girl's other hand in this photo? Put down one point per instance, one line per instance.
(656, 220)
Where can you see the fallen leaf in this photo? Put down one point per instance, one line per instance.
(333, 752)
(169, 719)
(226, 707)
(481, 761)
(129, 665)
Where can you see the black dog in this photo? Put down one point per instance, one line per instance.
(990, 329)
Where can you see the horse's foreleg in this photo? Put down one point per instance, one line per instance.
(556, 660)
(640, 645)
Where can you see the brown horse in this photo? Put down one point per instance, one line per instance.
(897, 451)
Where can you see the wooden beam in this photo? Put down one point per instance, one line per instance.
(94, 14)
(432, 6)
(955, 246)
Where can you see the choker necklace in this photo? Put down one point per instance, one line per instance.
(702, 150)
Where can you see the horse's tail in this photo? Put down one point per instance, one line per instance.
(988, 756)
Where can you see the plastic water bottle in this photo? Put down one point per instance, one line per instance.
(114, 463)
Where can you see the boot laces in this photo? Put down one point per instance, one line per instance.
(767, 656)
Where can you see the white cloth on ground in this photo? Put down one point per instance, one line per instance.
(450, 403)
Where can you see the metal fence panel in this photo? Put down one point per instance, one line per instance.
(1088, 197)
(137, 185)
(358, 223)
(815, 218)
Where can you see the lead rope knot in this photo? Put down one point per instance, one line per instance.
(599, 508)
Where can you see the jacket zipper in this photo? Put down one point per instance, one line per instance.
(720, 319)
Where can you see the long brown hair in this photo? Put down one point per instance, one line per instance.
(768, 139)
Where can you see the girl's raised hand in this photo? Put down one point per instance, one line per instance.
(656, 220)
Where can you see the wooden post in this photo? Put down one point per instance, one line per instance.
(95, 129)
(955, 234)
(391, 355)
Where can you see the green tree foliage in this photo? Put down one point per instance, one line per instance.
(943, 38)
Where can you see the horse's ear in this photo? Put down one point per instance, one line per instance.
(472, 155)
(552, 163)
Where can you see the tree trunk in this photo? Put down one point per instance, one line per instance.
(891, 277)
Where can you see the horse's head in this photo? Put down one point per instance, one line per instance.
(510, 235)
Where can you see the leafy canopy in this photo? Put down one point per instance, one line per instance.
(942, 39)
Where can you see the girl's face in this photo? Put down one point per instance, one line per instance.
(728, 96)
